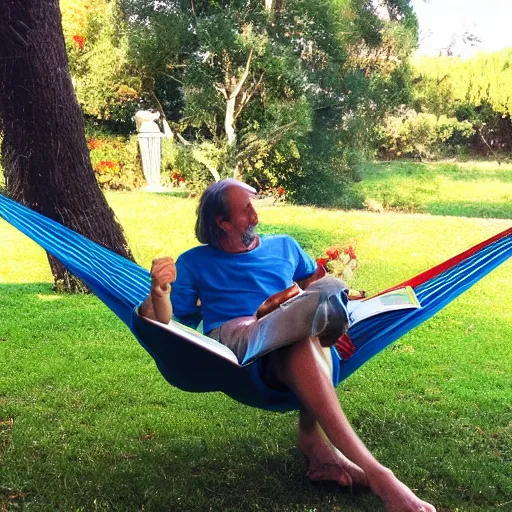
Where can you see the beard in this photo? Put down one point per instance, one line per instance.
(248, 236)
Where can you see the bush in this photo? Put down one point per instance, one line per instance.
(116, 162)
(192, 166)
(303, 173)
(97, 48)
(423, 135)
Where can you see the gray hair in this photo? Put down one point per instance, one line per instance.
(213, 204)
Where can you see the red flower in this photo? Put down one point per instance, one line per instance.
(322, 261)
(106, 164)
(280, 191)
(333, 253)
(178, 177)
(350, 251)
(94, 144)
(79, 40)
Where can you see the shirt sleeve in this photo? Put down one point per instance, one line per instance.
(305, 266)
(184, 296)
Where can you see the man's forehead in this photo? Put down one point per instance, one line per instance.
(236, 191)
(242, 185)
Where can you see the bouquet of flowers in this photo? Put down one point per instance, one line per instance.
(340, 262)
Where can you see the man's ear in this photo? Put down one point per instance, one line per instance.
(222, 223)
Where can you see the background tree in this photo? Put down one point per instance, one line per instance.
(245, 85)
(44, 153)
(97, 47)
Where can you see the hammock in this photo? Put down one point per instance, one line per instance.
(193, 362)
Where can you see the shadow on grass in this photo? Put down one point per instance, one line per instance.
(87, 423)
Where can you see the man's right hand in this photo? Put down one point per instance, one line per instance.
(163, 274)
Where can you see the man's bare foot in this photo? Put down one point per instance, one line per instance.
(327, 463)
(397, 497)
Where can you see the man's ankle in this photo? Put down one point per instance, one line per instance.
(379, 478)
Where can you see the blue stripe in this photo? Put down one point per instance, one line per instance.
(118, 282)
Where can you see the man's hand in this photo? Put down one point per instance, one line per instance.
(163, 274)
(157, 305)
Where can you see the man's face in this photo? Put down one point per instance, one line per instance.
(243, 217)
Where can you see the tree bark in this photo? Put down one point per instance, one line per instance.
(44, 151)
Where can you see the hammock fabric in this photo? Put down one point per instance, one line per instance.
(122, 286)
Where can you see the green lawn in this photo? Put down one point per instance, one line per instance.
(470, 189)
(88, 424)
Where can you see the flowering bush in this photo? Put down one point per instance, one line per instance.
(94, 144)
(79, 41)
(177, 179)
(280, 193)
(115, 162)
(105, 166)
(340, 262)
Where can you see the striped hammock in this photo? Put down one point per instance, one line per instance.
(193, 362)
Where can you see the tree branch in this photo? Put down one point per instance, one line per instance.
(247, 97)
(275, 136)
(487, 144)
(193, 10)
(236, 90)
(221, 89)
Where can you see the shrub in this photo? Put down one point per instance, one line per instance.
(179, 160)
(317, 166)
(116, 162)
(97, 48)
(423, 135)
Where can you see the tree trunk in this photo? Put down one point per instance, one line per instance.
(229, 126)
(45, 156)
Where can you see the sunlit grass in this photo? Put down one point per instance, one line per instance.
(88, 423)
(472, 189)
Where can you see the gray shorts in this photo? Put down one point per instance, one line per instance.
(321, 310)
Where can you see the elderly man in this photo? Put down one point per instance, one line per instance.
(224, 281)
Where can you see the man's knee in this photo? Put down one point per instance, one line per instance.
(331, 316)
(329, 285)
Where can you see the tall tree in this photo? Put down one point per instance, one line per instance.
(255, 77)
(44, 152)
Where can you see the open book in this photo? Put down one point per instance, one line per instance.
(191, 335)
(401, 298)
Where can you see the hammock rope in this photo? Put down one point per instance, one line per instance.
(122, 285)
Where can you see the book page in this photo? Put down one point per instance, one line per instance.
(394, 300)
(192, 336)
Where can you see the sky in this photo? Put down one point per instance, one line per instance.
(490, 20)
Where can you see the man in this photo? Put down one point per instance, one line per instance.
(231, 274)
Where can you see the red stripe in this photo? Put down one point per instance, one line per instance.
(344, 346)
(435, 271)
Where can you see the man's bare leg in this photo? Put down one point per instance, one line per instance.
(302, 366)
(326, 462)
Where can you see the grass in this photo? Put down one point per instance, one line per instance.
(88, 424)
(470, 189)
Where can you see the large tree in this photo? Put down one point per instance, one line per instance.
(44, 151)
(249, 82)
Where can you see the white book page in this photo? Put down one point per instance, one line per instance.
(401, 298)
(198, 339)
